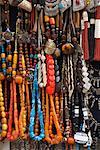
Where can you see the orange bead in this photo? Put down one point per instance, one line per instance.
(3, 114)
(3, 55)
(2, 108)
(9, 69)
(57, 103)
(50, 131)
(9, 47)
(24, 129)
(14, 66)
(57, 107)
(57, 111)
(71, 140)
(46, 19)
(48, 139)
(13, 73)
(4, 133)
(67, 48)
(4, 65)
(9, 58)
(18, 79)
(4, 120)
(52, 21)
(1, 76)
(1, 103)
(50, 127)
(4, 127)
(52, 135)
(1, 96)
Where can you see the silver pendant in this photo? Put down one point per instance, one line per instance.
(50, 47)
(81, 137)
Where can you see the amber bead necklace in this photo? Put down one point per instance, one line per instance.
(23, 115)
(50, 89)
(49, 137)
(3, 100)
(54, 37)
(20, 80)
(13, 133)
(4, 125)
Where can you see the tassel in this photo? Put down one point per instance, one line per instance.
(86, 45)
(97, 35)
(91, 36)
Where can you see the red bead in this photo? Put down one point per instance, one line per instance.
(52, 21)
(50, 90)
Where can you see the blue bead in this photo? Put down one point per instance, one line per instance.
(32, 120)
(61, 6)
(42, 136)
(31, 55)
(32, 135)
(30, 128)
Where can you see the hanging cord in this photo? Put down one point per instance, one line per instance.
(71, 21)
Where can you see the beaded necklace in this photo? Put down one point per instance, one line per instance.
(7, 35)
(93, 97)
(49, 137)
(13, 101)
(27, 62)
(36, 98)
(20, 80)
(22, 117)
(42, 78)
(4, 125)
(67, 83)
(50, 89)
(56, 53)
(57, 80)
(13, 133)
(3, 116)
(44, 72)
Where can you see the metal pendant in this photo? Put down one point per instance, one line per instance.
(78, 7)
(24, 4)
(64, 4)
(7, 35)
(81, 137)
(50, 47)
